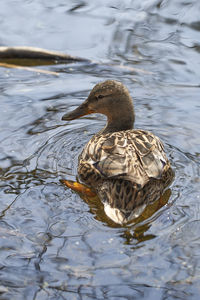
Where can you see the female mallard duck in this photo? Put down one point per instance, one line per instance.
(126, 167)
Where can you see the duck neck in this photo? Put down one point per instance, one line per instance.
(123, 120)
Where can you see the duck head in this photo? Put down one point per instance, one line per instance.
(112, 99)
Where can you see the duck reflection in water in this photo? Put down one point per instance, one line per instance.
(127, 168)
(134, 229)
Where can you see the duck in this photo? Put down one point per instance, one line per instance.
(126, 167)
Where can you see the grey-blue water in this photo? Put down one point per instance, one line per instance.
(53, 244)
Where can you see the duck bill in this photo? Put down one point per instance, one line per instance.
(80, 111)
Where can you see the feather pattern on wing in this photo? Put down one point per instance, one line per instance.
(134, 155)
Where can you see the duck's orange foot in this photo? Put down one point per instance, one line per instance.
(78, 187)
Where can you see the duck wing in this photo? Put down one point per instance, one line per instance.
(134, 155)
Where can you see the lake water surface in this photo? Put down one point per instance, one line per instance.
(54, 244)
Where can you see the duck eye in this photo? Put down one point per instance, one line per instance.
(100, 97)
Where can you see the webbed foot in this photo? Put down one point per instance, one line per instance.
(79, 187)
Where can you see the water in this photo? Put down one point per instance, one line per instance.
(55, 245)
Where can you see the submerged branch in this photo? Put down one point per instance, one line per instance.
(5, 65)
(18, 57)
(34, 53)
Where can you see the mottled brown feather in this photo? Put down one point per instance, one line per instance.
(128, 173)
